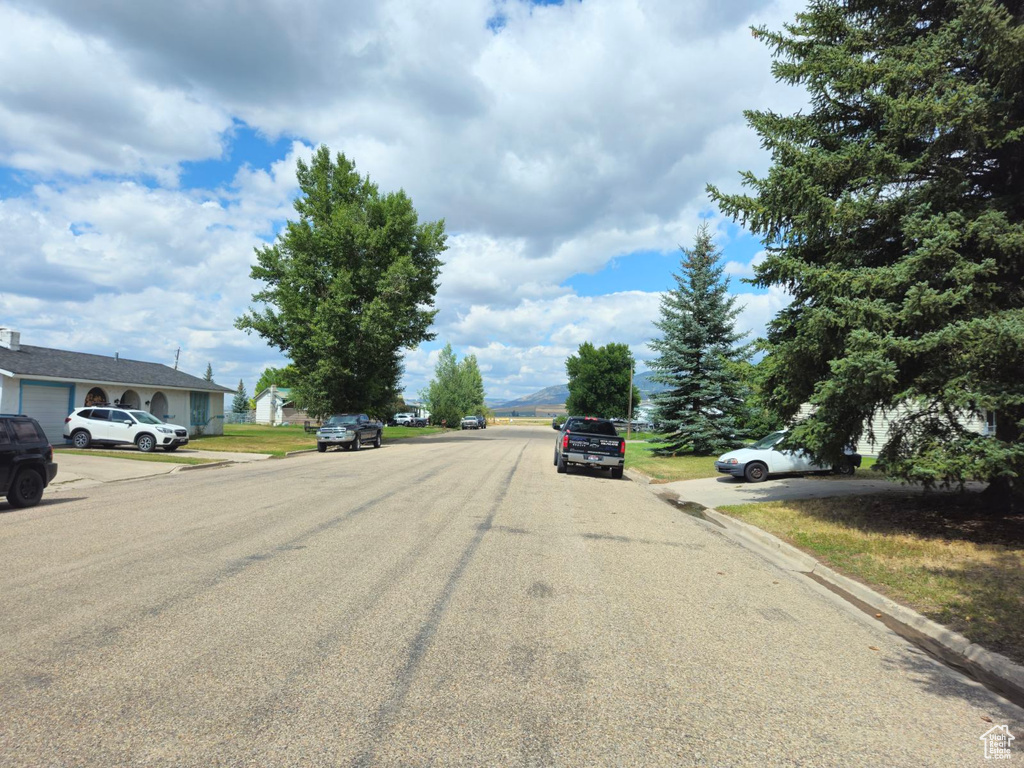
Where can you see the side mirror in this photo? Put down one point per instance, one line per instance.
(129, 422)
(554, 425)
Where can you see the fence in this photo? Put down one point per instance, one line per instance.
(247, 417)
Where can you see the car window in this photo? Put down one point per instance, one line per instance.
(100, 414)
(120, 416)
(342, 420)
(26, 431)
(145, 418)
(769, 442)
(85, 413)
(4, 439)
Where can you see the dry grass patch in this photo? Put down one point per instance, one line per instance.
(132, 455)
(941, 554)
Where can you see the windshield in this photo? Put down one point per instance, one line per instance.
(770, 441)
(337, 420)
(145, 418)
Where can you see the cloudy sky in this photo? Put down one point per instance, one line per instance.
(147, 147)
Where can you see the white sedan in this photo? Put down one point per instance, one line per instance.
(756, 462)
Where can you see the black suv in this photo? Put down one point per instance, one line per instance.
(26, 460)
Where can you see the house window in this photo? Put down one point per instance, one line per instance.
(200, 404)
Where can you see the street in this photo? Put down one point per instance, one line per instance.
(443, 601)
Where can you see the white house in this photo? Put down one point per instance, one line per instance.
(47, 384)
(275, 406)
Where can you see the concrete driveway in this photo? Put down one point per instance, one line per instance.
(724, 490)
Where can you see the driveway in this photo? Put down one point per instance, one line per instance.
(724, 490)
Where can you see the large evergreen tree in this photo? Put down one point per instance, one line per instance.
(893, 213)
(599, 381)
(697, 353)
(348, 287)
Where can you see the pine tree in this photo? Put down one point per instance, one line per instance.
(893, 214)
(208, 376)
(240, 404)
(697, 353)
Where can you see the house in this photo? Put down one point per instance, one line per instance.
(275, 406)
(47, 384)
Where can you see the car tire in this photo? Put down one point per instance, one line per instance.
(616, 473)
(376, 441)
(356, 444)
(170, 448)
(556, 458)
(562, 466)
(321, 447)
(81, 439)
(846, 469)
(26, 490)
(146, 443)
(755, 472)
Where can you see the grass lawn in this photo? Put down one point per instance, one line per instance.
(639, 456)
(940, 554)
(132, 455)
(277, 441)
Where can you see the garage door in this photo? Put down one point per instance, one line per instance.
(49, 405)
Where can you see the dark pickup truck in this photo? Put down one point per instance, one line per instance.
(589, 442)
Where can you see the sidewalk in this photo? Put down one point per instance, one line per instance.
(78, 471)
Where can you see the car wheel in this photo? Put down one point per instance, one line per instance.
(146, 443)
(562, 466)
(376, 441)
(356, 445)
(755, 472)
(81, 439)
(321, 447)
(846, 468)
(556, 458)
(26, 490)
(170, 448)
(616, 473)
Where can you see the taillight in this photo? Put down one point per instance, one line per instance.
(622, 448)
(67, 419)
(49, 453)
(565, 441)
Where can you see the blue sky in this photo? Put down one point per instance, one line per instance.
(146, 150)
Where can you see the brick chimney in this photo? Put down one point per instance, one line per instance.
(10, 339)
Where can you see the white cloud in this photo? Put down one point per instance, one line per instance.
(578, 133)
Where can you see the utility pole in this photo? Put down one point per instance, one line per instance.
(176, 358)
(629, 413)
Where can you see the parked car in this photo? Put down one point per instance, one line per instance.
(474, 422)
(589, 442)
(757, 462)
(350, 431)
(114, 426)
(404, 419)
(26, 460)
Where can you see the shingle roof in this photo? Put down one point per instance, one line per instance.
(60, 364)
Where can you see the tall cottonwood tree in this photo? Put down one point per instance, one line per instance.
(349, 285)
(698, 352)
(893, 214)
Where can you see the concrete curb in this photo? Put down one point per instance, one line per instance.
(992, 669)
(189, 467)
(295, 453)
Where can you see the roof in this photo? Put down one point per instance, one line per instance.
(284, 392)
(80, 366)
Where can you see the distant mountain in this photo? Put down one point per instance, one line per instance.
(558, 394)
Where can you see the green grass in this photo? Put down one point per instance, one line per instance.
(640, 457)
(133, 455)
(944, 555)
(277, 441)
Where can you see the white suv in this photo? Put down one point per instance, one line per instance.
(107, 425)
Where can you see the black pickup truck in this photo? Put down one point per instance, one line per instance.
(589, 442)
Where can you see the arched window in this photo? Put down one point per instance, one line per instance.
(131, 399)
(96, 396)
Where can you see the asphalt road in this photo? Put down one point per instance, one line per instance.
(447, 601)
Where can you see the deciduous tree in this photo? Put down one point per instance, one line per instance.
(457, 389)
(349, 285)
(599, 381)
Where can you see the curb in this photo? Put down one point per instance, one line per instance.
(993, 669)
(190, 467)
(296, 453)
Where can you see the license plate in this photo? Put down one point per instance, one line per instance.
(592, 457)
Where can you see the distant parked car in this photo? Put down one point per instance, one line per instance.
(26, 460)
(474, 422)
(114, 426)
(589, 442)
(350, 431)
(757, 462)
(404, 419)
